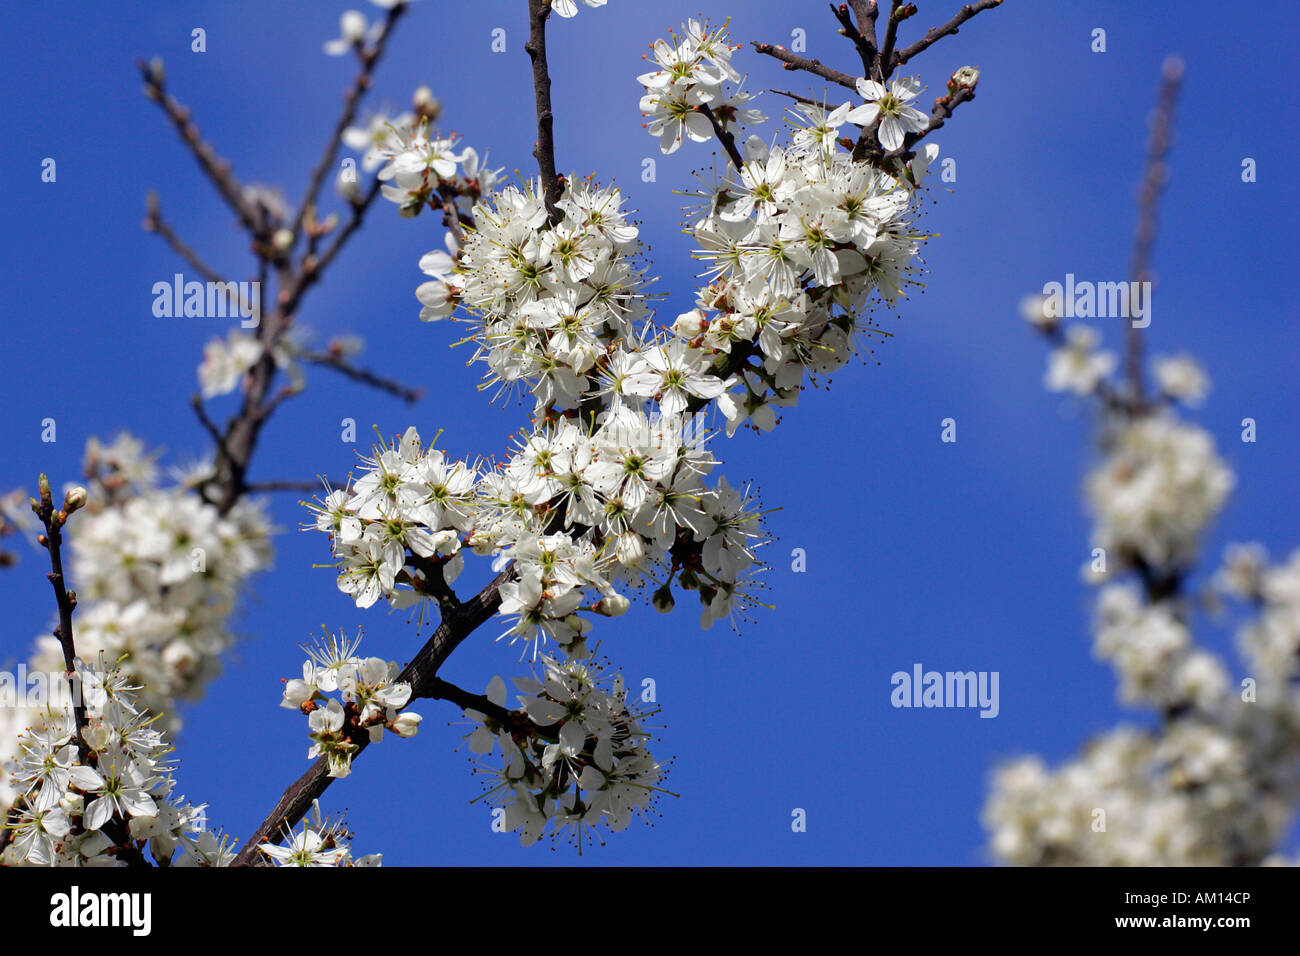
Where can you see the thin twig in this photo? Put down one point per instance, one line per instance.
(866, 47)
(800, 98)
(52, 541)
(898, 12)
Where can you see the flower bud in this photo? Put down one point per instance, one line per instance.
(612, 605)
(75, 498)
(406, 725)
(690, 324)
(426, 104)
(662, 599)
(964, 79)
(72, 803)
(282, 240)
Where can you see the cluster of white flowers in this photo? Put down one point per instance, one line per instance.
(158, 571)
(549, 302)
(114, 798)
(370, 697)
(87, 809)
(691, 76)
(1218, 781)
(1136, 799)
(1152, 651)
(1160, 484)
(577, 513)
(405, 515)
(572, 753)
(419, 167)
(1077, 366)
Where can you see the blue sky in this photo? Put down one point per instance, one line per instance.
(958, 556)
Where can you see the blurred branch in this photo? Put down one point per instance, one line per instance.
(336, 361)
(1154, 178)
(351, 99)
(153, 222)
(725, 137)
(217, 169)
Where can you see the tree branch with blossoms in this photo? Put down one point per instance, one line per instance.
(604, 489)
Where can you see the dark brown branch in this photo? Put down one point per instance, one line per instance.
(793, 61)
(934, 34)
(544, 151)
(421, 674)
(440, 689)
(866, 11)
(727, 140)
(898, 12)
(216, 168)
(334, 360)
(515, 720)
(351, 99)
(1153, 182)
(866, 47)
(153, 222)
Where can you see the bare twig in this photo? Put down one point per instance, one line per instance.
(934, 34)
(898, 12)
(52, 541)
(800, 98)
(793, 61)
(866, 11)
(866, 46)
